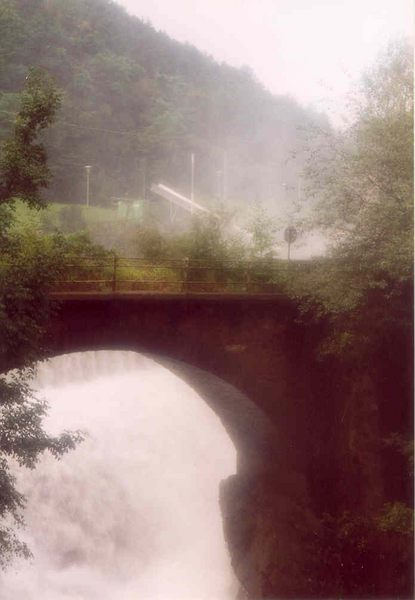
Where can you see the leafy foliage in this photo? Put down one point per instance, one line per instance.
(22, 439)
(355, 555)
(207, 240)
(23, 170)
(366, 183)
(362, 182)
(363, 185)
(28, 264)
(262, 230)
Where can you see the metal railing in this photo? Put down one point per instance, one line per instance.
(182, 276)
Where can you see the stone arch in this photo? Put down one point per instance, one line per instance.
(255, 346)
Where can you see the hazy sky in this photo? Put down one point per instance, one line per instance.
(310, 49)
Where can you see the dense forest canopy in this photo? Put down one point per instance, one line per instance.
(137, 104)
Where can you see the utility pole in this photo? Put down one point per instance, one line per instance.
(144, 176)
(88, 171)
(224, 177)
(192, 177)
(284, 186)
(299, 193)
(219, 185)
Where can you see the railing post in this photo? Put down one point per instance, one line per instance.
(114, 273)
(185, 269)
(247, 278)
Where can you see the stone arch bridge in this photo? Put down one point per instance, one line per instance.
(283, 423)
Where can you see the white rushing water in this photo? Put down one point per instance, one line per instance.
(132, 513)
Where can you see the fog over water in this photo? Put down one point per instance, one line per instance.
(133, 512)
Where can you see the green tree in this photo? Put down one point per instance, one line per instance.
(133, 93)
(209, 238)
(358, 556)
(28, 264)
(363, 176)
(362, 182)
(262, 230)
(23, 169)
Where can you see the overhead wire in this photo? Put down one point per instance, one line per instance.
(87, 127)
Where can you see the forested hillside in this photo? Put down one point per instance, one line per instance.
(137, 104)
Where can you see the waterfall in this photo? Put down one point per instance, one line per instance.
(132, 513)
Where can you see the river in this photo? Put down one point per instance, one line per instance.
(132, 513)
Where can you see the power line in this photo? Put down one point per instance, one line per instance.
(77, 126)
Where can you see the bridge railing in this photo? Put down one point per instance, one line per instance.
(176, 276)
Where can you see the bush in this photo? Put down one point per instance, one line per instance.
(71, 219)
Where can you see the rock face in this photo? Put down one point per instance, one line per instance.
(309, 435)
(265, 507)
(271, 521)
(266, 525)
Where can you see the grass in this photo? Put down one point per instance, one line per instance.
(31, 217)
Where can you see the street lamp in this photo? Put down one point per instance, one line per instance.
(88, 171)
(285, 188)
(224, 177)
(219, 184)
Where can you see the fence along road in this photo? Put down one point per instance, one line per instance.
(117, 275)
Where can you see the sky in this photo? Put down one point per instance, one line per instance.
(312, 50)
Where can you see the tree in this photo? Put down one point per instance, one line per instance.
(133, 93)
(262, 231)
(365, 183)
(361, 179)
(361, 294)
(27, 266)
(23, 169)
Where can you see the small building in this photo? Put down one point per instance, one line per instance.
(128, 209)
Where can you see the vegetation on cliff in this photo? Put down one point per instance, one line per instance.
(362, 180)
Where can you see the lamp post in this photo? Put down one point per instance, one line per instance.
(224, 177)
(218, 191)
(88, 171)
(285, 188)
